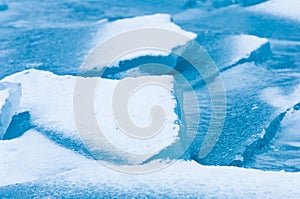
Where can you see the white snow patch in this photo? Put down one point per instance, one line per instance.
(33, 156)
(288, 9)
(230, 49)
(278, 98)
(241, 46)
(145, 44)
(50, 100)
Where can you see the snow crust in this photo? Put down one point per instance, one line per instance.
(40, 157)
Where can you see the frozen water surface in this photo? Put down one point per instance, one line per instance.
(253, 43)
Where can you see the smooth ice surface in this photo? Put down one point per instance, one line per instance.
(10, 94)
(55, 169)
(150, 47)
(50, 100)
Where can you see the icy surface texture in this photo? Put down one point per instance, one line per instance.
(10, 94)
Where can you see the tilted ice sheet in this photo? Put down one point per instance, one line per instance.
(64, 172)
(108, 30)
(288, 9)
(232, 49)
(244, 45)
(226, 51)
(10, 94)
(283, 150)
(290, 130)
(50, 100)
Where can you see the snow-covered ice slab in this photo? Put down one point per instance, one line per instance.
(226, 51)
(10, 94)
(231, 50)
(146, 43)
(288, 9)
(51, 101)
(290, 135)
(54, 169)
(283, 150)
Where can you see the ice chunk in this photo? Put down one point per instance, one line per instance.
(288, 9)
(233, 49)
(10, 94)
(50, 100)
(145, 43)
(163, 21)
(283, 152)
(282, 135)
(226, 51)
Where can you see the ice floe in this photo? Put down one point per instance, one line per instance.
(127, 39)
(51, 102)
